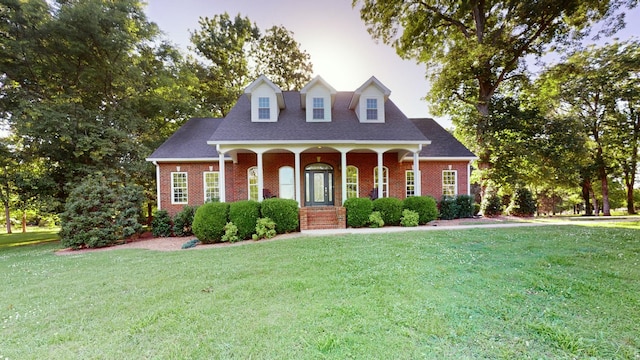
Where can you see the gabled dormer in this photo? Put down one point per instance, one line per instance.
(317, 97)
(266, 100)
(368, 101)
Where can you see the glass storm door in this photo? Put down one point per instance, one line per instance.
(318, 185)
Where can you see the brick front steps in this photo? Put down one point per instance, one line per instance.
(324, 217)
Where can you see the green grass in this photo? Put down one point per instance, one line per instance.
(559, 292)
(34, 235)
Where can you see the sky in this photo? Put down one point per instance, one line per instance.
(331, 31)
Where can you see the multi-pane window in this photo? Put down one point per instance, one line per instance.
(179, 189)
(264, 111)
(318, 108)
(252, 176)
(410, 183)
(449, 182)
(352, 181)
(385, 181)
(287, 183)
(372, 109)
(211, 186)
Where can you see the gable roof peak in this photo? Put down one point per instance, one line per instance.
(318, 80)
(372, 81)
(262, 79)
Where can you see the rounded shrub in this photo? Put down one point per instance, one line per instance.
(183, 221)
(209, 222)
(265, 229)
(492, 205)
(244, 214)
(522, 204)
(358, 211)
(425, 206)
(284, 212)
(375, 220)
(409, 218)
(465, 206)
(390, 209)
(161, 224)
(448, 208)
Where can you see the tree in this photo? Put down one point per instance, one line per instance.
(236, 53)
(472, 47)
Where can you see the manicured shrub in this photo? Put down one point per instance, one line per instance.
(244, 214)
(390, 209)
(230, 233)
(465, 206)
(409, 218)
(209, 222)
(284, 212)
(492, 205)
(375, 220)
(358, 211)
(265, 229)
(183, 221)
(161, 224)
(522, 204)
(425, 206)
(99, 213)
(448, 208)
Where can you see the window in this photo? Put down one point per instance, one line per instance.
(449, 182)
(287, 183)
(372, 109)
(179, 190)
(385, 181)
(352, 181)
(252, 176)
(211, 186)
(410, 183)
(318, 108)
(264, 111)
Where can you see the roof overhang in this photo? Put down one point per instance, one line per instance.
(183, 160)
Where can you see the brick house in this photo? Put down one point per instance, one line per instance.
(317, 146)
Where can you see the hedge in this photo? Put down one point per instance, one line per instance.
(244, 214)
(358, 211)
(183, 221)
(465, 206)
(448, 208)
(390, 209)
(209, 222)
(425, 206)
(284, 212)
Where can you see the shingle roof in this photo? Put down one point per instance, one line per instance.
(292, 126)
(443, 144)
(189, 141)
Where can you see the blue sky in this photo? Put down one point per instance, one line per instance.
(341, 50)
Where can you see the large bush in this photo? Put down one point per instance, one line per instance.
(161, 224)
(448, 208)
(284, 212)
(99, 212)
(358, 211)
(425, 206)
(492, 205)
(390, 209)
(183, 221)
(209, 222)
(244, 214)
(522, 204)
(465, 206)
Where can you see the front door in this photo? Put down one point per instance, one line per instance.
(318, 185)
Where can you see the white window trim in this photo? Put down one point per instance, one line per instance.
(385, 184)
(173, 188)
(356, 183)
(380, 108)
(293, 179)
(326, 103)
(268, 108)
(204, 184)
(455, 184)
(406, 183)
(249, 183)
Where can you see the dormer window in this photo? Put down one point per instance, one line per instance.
(372, 109)
(318, 108)
(264, 111)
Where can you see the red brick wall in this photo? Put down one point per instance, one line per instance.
(237, 186)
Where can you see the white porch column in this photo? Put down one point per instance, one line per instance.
(469, 178)
(260, 177)
(297, 178)
(343, 161)
(416, 174)
(380, 174)
(222, 177)
(157, 183)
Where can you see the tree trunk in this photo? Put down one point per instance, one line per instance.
(7, 216)
(596, 206)
(586, 195)
(606, 211)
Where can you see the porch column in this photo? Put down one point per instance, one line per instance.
(380, 174)
(260, 177)
(343, 161)
(416, 174)
(158, 183)
(297, 178)
(221, 177)
(469, 178)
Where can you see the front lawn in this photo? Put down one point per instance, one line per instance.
(544, 292)
(34, 235)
